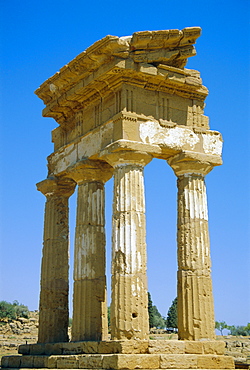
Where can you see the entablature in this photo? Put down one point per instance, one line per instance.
(128, 131)
(183, 83)
(130, 93)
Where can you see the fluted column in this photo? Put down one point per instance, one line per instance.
(129, 307)
(195, 298)
(89, 300)
(53, 309)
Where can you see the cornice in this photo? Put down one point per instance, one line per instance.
(186, 84)
(158, 49)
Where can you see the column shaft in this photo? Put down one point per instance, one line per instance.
(53, 309)
(129, 311)
(89, 302)
(195, 299)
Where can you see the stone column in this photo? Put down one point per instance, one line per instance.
(129, 306)
(89, 301)
(195, 298)
(53, 309)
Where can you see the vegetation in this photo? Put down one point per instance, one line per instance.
(221, 325)
(13, 310)
(159, 321)
(109, 318)
(155, 318)
(233, 330)
(239, 330)
(150, 311)
(171, 321)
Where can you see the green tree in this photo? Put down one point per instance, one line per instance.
(13, 310)
(247, 328)
(158, 320)
(150, 311)
(221, 325)
(21, 310)
(171, 321)
(155, 318)
(7, 310)
(109, 322)
(239, 330)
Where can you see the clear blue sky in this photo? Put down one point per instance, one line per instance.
(37, 39)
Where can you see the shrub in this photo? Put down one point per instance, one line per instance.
(239, 330)
(13, 310)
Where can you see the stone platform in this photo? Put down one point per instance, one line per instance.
(121, 355)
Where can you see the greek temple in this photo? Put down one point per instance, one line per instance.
(119, 104)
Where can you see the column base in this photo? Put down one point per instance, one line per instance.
(121, 355)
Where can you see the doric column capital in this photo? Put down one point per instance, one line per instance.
(183, 164)
(53, 186)
(122, 157)
(90, 170)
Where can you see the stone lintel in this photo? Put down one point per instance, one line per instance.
(146, 137)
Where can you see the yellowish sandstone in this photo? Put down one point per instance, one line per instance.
(119, 104)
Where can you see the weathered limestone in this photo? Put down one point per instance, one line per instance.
(195, 298)
(129, 307)
(89, 303)
(126, 347)
(119, 104)
(124, 355)
(53, 309)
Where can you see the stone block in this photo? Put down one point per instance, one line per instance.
(52, 362)
(166, 346)
(37, 349)
(214, 362)
(13, 361)
(53, 349)
(233, 354)
(108, 347)
(90, 347)
(5, 361)
(148, 68)
(133, 346)
(214, 347)
(131, 361)
(109, 361)
(27, 361)
(24, 349)
(67, 362)
(73, 348)
(193, 347)
(40, 361)
(178, 361)
(90, 361)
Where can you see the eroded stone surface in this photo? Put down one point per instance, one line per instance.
(121, 361)
(195, 298)
(127, 347)
(89, 299)
(129, 308)
(119, 104)
(54, 314)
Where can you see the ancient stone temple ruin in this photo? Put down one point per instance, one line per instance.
(120, 104)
